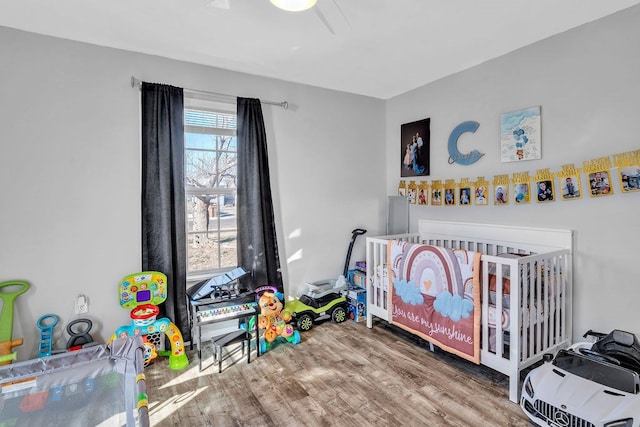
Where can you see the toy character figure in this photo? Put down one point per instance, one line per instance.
(521, 140)
(275, 321)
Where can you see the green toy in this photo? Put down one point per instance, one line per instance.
(6, 319)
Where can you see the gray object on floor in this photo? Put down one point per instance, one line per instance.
(220, 342)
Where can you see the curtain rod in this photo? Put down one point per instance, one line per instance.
(284, 104)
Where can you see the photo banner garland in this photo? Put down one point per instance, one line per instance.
(598, 176)
(412, 189)
(570, 185)
(544, 188)
(465, 193)
(501, 189)
(436, 192)
(628, 165)
(521, 192)
(402, 188)
(450, 192)
(481, 191)
(423, 193)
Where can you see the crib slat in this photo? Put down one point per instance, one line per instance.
(540, 299)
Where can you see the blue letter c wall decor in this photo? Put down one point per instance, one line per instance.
(456, 156)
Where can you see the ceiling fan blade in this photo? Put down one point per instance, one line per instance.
(342, 13)
(324, 20)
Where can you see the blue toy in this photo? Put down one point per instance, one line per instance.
(46, 324)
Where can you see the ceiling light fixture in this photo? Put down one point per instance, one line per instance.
(294, 5)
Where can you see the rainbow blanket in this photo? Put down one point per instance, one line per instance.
(435, 294)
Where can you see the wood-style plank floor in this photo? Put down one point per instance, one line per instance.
(339, 375)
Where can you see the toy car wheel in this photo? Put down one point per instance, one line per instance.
(305, 322)
(339, 315)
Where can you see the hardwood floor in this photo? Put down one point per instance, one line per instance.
(340, 374)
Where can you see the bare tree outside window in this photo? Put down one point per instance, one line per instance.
(210, 187)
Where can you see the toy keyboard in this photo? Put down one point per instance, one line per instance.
(207, 310)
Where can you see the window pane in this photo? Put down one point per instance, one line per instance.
(207, 251)
(211, 169)
(210, 184)
(209, 119)
(200, 140)
(229, 249)
(202, 253)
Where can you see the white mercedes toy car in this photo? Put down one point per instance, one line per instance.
(588, 385)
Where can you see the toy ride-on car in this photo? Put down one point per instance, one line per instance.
(324, 300)
(589, 384)
(308, 310)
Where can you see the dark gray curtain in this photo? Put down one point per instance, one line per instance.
(163, 210)
(257, 243)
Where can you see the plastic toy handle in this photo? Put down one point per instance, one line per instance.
(54, 322)
(87, 322)
(6, 313)
(25, 288)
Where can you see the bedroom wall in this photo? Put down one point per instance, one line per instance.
(587, 84)
(70, 173)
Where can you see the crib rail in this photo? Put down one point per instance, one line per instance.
(377, 284)
(530, 318)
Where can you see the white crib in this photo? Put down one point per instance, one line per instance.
(536, 313)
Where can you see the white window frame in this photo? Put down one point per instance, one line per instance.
(216, 107)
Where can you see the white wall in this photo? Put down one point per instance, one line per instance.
(70, 164)
(587, 83)
(70, 167)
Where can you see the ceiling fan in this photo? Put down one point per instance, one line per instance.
(302, 5)
(294, 6)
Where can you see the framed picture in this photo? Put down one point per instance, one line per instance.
(520, 135)
(480, 195)
(465, 196)
(414, 148)
(436, 196)
(570, 187)
(436, 192)
(630, 179)
(423, 191)
(402, 188)
(449, 196)
(501, 195)
(545, 192)
(521, 195)
(600, 184)
(412, 192)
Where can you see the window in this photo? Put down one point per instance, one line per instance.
(210, 188)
